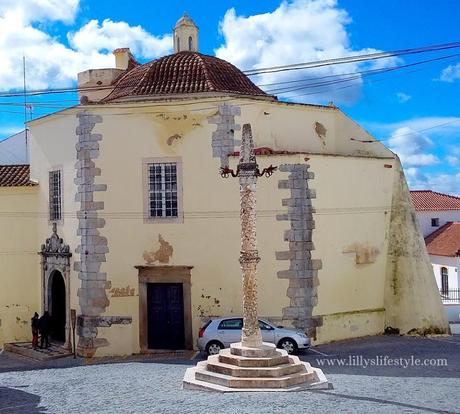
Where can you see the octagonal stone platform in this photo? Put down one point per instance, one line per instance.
(240, 369)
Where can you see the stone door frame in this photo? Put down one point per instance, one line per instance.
(164, 274)
(55, 256)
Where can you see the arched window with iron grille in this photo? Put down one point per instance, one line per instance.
(444, 281)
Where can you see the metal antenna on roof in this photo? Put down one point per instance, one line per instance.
(25, 103)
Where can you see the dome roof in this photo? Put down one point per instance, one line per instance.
(183, 73)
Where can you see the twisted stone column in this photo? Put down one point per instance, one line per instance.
(249, 257)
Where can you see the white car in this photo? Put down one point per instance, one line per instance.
(219, 333)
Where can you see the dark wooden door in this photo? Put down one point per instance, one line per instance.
(58, 307)
(165, 316)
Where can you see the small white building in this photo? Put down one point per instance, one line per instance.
(439, 218)
(14, 150)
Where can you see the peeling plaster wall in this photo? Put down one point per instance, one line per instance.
(347, 325)
(19, 263)
(352, 207)
(412, 300)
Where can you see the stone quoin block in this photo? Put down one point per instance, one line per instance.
(287, 255)
(93, 247)
(301, 254)
(223, 142)
(86, 214)
(303, 271)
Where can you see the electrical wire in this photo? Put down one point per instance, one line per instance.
(273, 69)
(235, 214)
(359, 74)
(352, 59)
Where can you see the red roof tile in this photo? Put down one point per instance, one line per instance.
(427, 200)
(15, 176)
(182, 73)
(445, 241)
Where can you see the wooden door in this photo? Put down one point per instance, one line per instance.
(165, 316)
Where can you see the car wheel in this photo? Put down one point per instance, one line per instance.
(214, 347)
(288, 344)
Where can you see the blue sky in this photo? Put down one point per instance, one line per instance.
(415, 111)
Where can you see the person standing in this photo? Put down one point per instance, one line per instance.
(34, 325)
(44, 327)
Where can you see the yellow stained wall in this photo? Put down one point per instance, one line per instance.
(353, 197)
(52, 147)
(19, 262)
(354, 192)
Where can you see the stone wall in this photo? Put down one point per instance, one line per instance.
(223, 138)
(93, 246)
(303, 270)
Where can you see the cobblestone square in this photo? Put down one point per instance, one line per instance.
(144, 385)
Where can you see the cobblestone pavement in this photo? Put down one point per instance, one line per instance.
(143, 387)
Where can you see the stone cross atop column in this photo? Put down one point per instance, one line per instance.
(248, 172)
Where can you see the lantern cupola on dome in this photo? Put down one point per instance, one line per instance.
(185, 35)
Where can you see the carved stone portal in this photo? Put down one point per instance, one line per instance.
(55, 257)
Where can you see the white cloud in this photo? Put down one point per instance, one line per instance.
(453, 161)
(445, 125)
(403, 97)
(412, 147)
(110, 35)
(40, 10)
(50, 62)
(297, 31)
(442, 182)
(451, 73)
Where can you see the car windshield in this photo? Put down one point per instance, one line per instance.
(264, 326)
(236, 323)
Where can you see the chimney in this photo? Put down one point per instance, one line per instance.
(122, 57)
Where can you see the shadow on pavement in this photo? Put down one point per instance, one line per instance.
(17, 401)
(389, 356)
(382, 401)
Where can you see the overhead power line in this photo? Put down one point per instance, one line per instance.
(334, 79)
(330, 80)
(273, 69)
(352, 59)
(339, 78)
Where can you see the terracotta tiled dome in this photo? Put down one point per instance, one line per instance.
(183, 73)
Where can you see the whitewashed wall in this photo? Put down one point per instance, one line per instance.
(424, 218)
(452, 264)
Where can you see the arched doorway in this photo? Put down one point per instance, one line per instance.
(57, 306)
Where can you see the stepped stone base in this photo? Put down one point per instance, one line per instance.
(54, 351)
(241, 369)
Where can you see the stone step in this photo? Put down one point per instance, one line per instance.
(280, 357)
(266, 350)
(46, 354)
(202, 374)
(215, 365)
(319, 381)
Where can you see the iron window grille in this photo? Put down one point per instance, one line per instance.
(444, 280)
(163, 190)
(55, 195)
